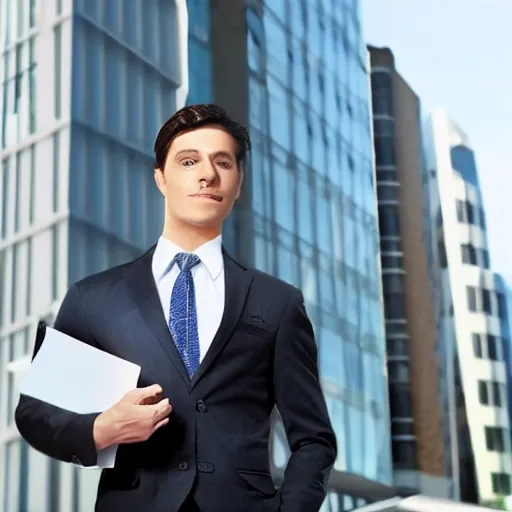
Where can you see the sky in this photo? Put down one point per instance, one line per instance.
(457, 54)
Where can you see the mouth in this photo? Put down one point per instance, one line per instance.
(212, 197)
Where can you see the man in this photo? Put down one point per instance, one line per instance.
(222, 343)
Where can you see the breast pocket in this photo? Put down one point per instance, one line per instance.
(255, 328)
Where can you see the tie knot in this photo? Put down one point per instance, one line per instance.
(186, 260)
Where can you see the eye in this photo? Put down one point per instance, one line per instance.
(224, 164)
(188, 162)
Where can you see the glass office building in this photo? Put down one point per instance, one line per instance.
(314, 211)
(85, 86)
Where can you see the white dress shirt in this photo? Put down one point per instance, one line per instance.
(208, 283)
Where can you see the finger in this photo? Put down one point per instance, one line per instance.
(160, 424)
(151, 400)
(140, 394)
(160, 410)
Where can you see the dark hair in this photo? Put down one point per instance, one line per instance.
(196, 116)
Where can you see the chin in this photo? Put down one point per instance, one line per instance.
(205, 222)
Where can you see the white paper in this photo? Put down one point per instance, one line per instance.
(72, 375)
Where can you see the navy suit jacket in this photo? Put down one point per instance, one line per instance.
(216, 444)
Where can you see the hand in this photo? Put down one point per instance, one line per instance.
(133, 419)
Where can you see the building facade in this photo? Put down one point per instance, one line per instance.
(86, 85)
(307, 213)
(473, 312)
(314, 216)
(412, 336)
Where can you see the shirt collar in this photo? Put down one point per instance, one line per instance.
(209, 253)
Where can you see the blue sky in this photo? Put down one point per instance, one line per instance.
(457, 54)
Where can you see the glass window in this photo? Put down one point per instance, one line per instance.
(497, 394)
(298, 18)
(254, 53)
(394, 306)
(468, 254)
(471, 297)
(398, 371)
(149, 22)
(402, 428)
(392, 262)
(397, 347)
(331, 356)
(130, 22)
(168, 41)
(486, 301)
(502, 305)
(483, 393)
(400, 400)
(404, 454)
(113, 75)
(495, 439)
(283, 196)
(388, 221)
(482, 218)
(277, 45)
(279, 113)
(308, 274)
(57, 71)
(324, 226)
(501, 483)
(384, 151)
(393, 283)
(305, 210)
(470, 213)
(5, 196)
(299, 69)
(287, 265)
(485, 258)
(461, 212)
(315, 34)
(492, 347)
(134, 93)
(382, 93)
(300, 132)
(477, 345)
(55, 261)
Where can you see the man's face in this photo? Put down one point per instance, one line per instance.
(201, 179)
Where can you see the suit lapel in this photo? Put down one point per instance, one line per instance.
(143, 291)
(237, 284)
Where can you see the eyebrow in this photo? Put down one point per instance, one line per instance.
(185, 152)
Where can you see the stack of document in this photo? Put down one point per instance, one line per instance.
(72, 375)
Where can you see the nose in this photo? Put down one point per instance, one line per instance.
(208, 173)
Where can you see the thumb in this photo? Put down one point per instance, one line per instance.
(139, 394)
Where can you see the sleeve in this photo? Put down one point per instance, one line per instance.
(303, 409)
(56, 432)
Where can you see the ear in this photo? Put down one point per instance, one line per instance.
(160, 180)
(241, 180)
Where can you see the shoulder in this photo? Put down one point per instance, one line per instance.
(108, 279)
(275, 287)
(271, 285)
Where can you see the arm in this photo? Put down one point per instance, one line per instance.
(56, 432)
(302, 406)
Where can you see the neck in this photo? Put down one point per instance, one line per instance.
(188, 237)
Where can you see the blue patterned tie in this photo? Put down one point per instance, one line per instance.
(183, 314)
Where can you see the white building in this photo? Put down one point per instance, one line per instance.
(84, 87)
(471, 311)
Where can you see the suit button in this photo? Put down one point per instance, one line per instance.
(200, 406)
(183, 466)
(205, 467)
